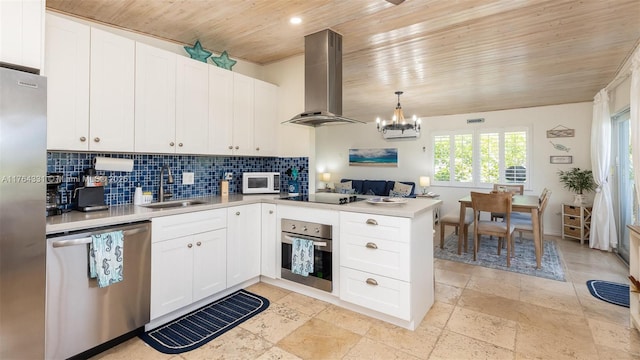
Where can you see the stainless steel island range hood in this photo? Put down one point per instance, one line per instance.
(322, 81)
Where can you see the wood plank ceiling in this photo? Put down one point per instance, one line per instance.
(448, 56)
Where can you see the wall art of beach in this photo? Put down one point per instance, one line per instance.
(373, 157)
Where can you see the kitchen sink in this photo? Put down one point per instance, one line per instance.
(174, 204)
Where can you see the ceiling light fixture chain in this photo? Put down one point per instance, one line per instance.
(398, 121)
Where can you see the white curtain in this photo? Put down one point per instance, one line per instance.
(634, 117)
(603, 234)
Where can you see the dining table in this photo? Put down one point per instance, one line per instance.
(520, 203)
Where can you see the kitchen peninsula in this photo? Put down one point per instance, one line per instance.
(382, 253)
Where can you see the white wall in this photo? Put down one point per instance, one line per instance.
(415, 155)
(294, 140)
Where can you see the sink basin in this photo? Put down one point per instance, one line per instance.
(174, 204)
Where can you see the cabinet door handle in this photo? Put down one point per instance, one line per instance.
(83, 139)
(371, 281)
(180, 144)
(198, 243)
(171, 143)
(257, 149)
(97, 139)
(230, 147)
(371, 245)
(237, 147)
(270, 211)
(190, 245)
(237, 212)
(371, 222)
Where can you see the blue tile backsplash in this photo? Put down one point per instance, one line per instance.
(208, 172)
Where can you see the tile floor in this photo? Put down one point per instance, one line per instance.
(478, 313)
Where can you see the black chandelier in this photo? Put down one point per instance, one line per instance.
(398, 121)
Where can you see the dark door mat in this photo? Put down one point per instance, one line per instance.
(610, 292)
(205, 324)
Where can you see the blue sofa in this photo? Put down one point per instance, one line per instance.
(378, 187)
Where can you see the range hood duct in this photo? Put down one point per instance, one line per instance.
(322, 81)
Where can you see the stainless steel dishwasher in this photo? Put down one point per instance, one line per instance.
(79, 314)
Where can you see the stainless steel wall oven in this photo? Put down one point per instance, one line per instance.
(321, 235)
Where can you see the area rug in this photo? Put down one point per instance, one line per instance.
(523, 262)
(205, 324)
(611, 292)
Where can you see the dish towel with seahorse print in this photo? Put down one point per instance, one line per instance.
(302, 257)
(106, 253)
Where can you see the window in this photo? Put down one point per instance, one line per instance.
(481, 158)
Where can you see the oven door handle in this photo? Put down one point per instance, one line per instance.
(289, 240)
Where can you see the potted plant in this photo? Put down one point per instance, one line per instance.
(578, 181)
(294, 185)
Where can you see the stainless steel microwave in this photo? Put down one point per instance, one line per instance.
(260, 183)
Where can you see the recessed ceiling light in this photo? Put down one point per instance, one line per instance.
(295, 20)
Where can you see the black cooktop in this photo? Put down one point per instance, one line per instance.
(336, 199)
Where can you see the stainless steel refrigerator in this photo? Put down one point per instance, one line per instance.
(23, 155)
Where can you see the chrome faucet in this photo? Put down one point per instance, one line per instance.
(161, 195)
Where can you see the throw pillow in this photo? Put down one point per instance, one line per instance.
(393, 193)
(343, 186)
(401, 188)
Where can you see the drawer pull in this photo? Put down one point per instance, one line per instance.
(190, 246)
(199, 243)
(371, 245)
(371, 281)
(237, 212)
(371, 222)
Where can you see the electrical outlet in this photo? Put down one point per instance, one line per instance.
(188, 178)
(228, 176)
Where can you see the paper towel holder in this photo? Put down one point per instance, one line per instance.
(112, 164)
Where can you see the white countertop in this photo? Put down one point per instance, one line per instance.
(120, 214)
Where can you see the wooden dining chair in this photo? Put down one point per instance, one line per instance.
(523, 223)
(453, 219)
(516, 189)
(503, 230)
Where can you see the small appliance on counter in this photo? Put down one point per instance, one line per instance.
(260, 183)
(89, 195)
(54, 199)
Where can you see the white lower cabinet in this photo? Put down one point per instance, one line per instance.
(243, 243)
(188, 259)
(378, 256)
(375, 292)
(269, 241)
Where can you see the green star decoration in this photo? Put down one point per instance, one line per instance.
(197, 52)
(223, 61)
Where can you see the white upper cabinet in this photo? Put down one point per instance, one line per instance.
(155, 100)
(21, 31)
(220, 111)
(243, 112)
(90, 88)
(265, 121)
(192, 109)
(67, 68)
(111, 92)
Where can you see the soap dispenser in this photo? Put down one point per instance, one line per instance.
(137, 196)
